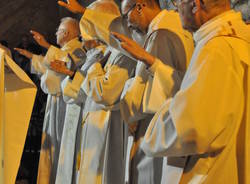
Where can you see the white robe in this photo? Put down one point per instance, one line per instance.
(55, 109)
(145, 93)
(104, 135)
(17, 96)
(138, 97)
(208, 119)
(68, 165)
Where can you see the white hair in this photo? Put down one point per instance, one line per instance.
(73, 23)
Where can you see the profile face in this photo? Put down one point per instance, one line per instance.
(133, 11)
(187, 15)
(61, 33)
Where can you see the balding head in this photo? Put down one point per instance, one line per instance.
(140, 13)
(67, 30)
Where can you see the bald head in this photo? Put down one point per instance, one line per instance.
(195, 13)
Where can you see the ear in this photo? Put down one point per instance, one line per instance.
(196, 6)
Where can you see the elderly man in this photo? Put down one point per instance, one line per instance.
(208, 119)
(165, 39)
(103, 135)
(71, 53)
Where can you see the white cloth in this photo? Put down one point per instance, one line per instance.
(208, 119)
(55, 109)
(103, 136)
(146, 92)
(17, 96)
(138, 98)
(73, 95)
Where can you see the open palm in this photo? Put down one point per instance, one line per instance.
(134, 49)
(73, 6)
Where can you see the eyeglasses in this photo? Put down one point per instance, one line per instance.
(59, 31)
(175, 2)
(125, 16)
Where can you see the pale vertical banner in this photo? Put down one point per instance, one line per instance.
(1, 117)
(16, 107)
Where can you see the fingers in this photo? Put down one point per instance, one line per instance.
(127, 47)
(120, 37)
(63, 4)
(34, 33)
(37, 36)
(18, 49)
(62, 63)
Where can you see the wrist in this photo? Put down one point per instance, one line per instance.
(149, 60)
(71, 73)
(30, 56)
(81, 10)
(47, 46)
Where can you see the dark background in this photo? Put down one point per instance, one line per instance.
(17, 17)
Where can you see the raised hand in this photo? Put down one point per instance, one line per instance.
(60, 67)
(39, 38)
(134, 49)
(24, 52)
(73, 6)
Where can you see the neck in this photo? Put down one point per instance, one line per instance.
(154, 13)
(214, 13)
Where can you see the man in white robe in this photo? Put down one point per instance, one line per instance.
(208, 119)
(67, 38)
(73, 95)
(177, 50)
(103, 132)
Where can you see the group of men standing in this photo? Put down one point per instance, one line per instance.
(135, 97)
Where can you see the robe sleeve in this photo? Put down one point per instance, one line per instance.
(97, 24)
(105, 87)
(201, 117)
(72, 91)
(72, 88)
(166, 76)
(37, 64)
(151, 86)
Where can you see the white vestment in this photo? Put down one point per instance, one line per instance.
(208, 119)
(73, 95)
(17, 96)
(103, 134)
(167, 40)
(55, 108)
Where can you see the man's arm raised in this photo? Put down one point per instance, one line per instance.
(73, 6)
(39, 38)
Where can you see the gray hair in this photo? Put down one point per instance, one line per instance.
(73, 23)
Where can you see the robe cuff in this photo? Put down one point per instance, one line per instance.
(37, 65)
(95, 70)
(155, 66)
(72, 87)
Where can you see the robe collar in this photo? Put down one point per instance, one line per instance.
(71, 44)
(228, 23)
